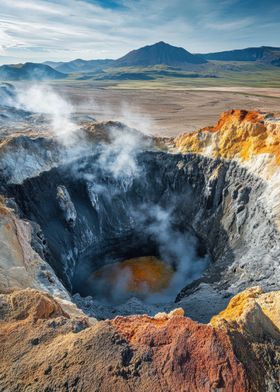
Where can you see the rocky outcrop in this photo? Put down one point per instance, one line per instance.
(239, 135)
(252, 320)
(66, 205)
(21, 266)
(42, 347)
(251, 139)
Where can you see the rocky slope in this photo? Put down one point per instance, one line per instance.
(45, 348)
(209, 203)
(249, 138)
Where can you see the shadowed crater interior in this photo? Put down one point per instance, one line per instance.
(113, 237)
(155, 234)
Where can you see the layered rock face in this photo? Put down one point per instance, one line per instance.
(209, 203)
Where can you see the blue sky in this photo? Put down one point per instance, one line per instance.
(39, 30)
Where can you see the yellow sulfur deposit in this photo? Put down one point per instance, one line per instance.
(238, 134)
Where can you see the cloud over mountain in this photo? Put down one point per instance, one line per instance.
(62, 30)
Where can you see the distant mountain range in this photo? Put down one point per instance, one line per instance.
(79, 65)
(162, 53)
(264, 54)
(159, 54)
(29, 71)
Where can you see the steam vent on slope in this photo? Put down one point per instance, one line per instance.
(109, 237)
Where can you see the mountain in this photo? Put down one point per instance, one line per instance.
(29, 71)
(265, 54)
(53, 64)
(159, 53)
(79, 65)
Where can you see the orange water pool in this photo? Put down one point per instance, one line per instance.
(139, 274)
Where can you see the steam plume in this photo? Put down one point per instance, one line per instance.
(42, 99)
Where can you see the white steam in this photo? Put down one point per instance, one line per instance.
(125, 112)
(177, 248)
(42, 99)
(119, 157)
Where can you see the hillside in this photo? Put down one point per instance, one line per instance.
(265, 54)
(29, 71)
(159, 53)
(79, 65)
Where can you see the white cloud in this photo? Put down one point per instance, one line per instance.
(38, 6)
(232, 25)
(67, 29)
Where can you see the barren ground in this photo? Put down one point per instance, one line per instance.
(168, 112)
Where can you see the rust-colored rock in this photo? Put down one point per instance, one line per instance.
(43, 349)
(186, 355)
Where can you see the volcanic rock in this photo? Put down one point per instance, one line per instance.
(63, 216)
(138, 352)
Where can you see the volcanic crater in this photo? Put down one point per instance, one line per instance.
(87, 219)
(122, 224)
(201, 219)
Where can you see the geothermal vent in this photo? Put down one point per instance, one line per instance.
(112, 223)
(128, 228)
(119, 233)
